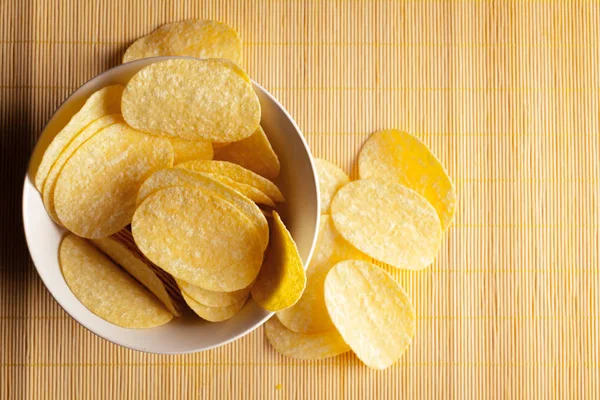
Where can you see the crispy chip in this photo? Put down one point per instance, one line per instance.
(304, 346)
(180, 177)
(187, 150)
(213, 299)
(309, 314)
(214, 314)
(126, 238)
(371, 311)
(196, 38)
(388, 222)
(399, 157)
(254, 153)
(331, 179)
(282, 279)
(137, 266)
(103, 102)
(199, 238)
(107, 290)
(95, 192)
(249, 191)
(82, 137)
(237, 173)
(192, 99)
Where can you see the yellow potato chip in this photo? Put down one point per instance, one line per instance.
(196, 38)
(249, 191)
(199, 238)
(82, 137)
(282, 278)
(304, 346)
(187, 150)
(371, 311)
(237, 173)
(309, 314)
(388, 222)
(96, 190)
(180, 177)
(331, 179)
(213, 299)
(126, 238)
(107, 290)
(399, 157)
(214, 314)
(192, 99)
(103, 102)
(136, 265)
(254, 153)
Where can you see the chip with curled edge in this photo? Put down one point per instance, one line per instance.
(282, 278)
(309, 314)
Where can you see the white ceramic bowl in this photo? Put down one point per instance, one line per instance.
(188, 334)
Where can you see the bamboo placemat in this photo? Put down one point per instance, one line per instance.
(506, 93)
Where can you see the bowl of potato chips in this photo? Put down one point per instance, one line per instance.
(171, 205)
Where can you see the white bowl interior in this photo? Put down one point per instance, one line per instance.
(188, 334)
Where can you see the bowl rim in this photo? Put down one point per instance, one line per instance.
(28, 181)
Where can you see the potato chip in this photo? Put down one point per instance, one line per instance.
(213, 299)
(125, 237)
(196, 38)
(331, 179)
(192, 99)
(103, 102)
(388, 222)
(395, 156)
(282, 279)
(214, 314)
(82, 137)
(95, 192)
(187, 150)
(181, 177)
(371, 311)
(237, 173)
(199, 238)
(107, 290)
(134, 263)
(309, 314)
(304, 346)
(254, 153)
(249, 191)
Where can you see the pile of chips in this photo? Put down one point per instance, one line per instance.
(395, 214)
(164, 187)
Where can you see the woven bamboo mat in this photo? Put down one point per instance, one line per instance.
(507, 94)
